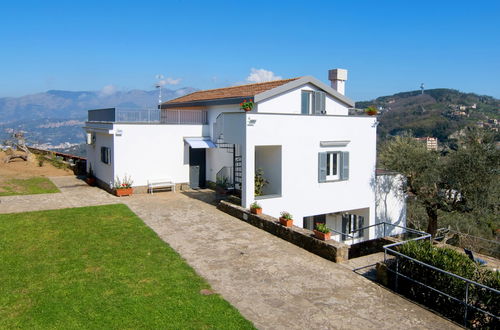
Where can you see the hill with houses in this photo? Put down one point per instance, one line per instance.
(440, 113)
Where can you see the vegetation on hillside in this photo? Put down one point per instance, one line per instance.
(462, 181)
(439, 113)
(100, 268)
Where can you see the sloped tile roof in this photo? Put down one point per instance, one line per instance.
(230, 92)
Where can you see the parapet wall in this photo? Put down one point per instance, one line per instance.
(304, 238)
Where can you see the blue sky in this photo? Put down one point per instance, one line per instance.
(387, 46)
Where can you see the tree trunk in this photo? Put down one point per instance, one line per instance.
(432, 225)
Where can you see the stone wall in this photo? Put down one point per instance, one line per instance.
(304, 238)
(368, 247)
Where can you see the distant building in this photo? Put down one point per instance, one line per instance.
(431, 142)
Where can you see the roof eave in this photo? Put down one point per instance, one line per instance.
(299, 82)
(204, 103)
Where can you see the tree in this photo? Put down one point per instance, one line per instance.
(465, 180)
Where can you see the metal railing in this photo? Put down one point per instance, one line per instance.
(184, 117)
(149, 116)
(137, 116)
(465, 301)
(385, 230)
(224, 177)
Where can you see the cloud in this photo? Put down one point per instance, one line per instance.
(261, 75)
(169, 81)
(108, 90)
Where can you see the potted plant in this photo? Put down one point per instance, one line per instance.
(90, 179)
(247, 105)
(255, 208)
(286, 219)
(322, 232)
(123, 187)
(221, 186)
(259, 182)
(371, 110)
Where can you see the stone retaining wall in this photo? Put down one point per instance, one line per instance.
(304, 238)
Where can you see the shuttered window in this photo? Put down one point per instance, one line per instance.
(105, 155)
(333, 166)
(313, 103)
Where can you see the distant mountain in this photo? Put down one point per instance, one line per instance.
(437, 112)
(74, 105)
(55, 118)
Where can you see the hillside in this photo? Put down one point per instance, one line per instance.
(437, 112)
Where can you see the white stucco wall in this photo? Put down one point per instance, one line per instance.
(391, 202)
(145, 152)
(217, 159)
(104, 172)
(290, 102)
(300, 136)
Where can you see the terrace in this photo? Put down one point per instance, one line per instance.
(148, 116)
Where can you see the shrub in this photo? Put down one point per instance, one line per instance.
(454, 262)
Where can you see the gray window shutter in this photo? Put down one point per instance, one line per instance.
(305, 102)
(319, 103)
(361, 224)
(345, 221)
(322, 167)
(344, 165)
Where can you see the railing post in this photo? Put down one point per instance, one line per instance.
(466, 303)
(384, 229)
(397, 273)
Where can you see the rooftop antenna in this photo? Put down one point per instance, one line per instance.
(422, 87)
(159, 77)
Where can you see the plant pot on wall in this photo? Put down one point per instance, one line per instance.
(286, 222)
(256, 211)
(124, 192)
(91, 181)
(322, 236)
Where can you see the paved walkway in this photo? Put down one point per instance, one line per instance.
(74, 193)
(273, 283)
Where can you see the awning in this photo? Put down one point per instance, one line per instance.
(200, 142)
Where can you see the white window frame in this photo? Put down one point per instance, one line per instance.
(333, 166)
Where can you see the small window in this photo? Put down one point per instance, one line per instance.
(105, 155)
(313, 102)
(332, 165)
(351, 225)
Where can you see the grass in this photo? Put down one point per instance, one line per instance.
(29, 186)
(99, 267)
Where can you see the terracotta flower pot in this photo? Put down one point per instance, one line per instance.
(247, 109)
(371, 113)
(124, 192)
(91, 181)
(256, 211)
(286, 222)
(322, 236)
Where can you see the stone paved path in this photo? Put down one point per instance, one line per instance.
(273, 283)
(74, 193)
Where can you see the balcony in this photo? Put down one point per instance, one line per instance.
(149, 116)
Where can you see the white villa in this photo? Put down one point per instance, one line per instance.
(319, 161)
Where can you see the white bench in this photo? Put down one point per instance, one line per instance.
(160, 183)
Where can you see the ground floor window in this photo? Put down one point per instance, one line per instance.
(351, 223)
(105, 155)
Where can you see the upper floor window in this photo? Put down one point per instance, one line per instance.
(313, 102)
(333, 166)
(105, 155)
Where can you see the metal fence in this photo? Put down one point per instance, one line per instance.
(465, 301)
(474, 243)
(149, 116)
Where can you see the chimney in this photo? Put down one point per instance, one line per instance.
(338, 78)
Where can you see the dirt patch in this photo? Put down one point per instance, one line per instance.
(19, 168)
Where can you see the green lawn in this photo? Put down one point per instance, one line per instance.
(102, 268)
(29, 186)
